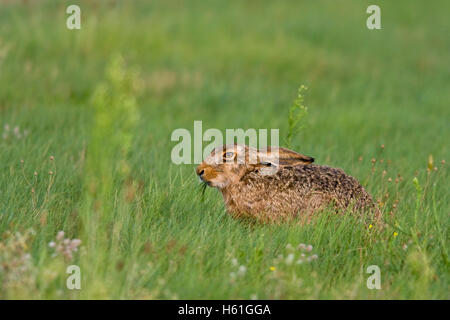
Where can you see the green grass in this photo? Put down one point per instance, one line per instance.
(145, 231)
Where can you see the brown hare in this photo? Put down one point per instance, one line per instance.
(275, 184)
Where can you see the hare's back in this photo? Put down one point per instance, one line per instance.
(323, 178)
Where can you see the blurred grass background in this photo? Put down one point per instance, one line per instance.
(145, 231)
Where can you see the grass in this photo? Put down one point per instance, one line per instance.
(104, 100)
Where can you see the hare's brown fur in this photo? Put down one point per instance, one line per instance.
(296, 188)
(294, 191)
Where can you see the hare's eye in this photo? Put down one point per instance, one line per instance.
(228, 155)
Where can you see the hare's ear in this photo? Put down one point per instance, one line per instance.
(291, 158)
(285, 158)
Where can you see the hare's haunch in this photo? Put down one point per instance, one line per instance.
(277, 183)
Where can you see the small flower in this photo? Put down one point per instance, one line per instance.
(60, 235)
(301, 246)
(242, 270)
(395, 234)
(290, 259)
(272, 268)
(75, 242)
(234, 262)
(370, 226)
(64, 246)
(309, 248)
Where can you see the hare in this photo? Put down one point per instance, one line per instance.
(275, 184)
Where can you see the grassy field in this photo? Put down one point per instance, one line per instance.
(86, 118)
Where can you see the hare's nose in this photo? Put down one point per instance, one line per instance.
(200, 170)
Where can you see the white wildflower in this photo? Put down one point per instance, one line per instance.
(290, 259)
(60, 235)
(242, 270)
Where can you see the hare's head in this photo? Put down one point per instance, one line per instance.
(227, 165)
